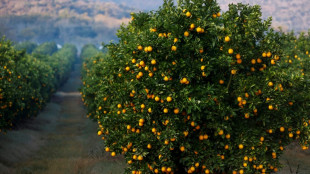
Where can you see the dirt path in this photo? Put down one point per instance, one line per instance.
(61, 140)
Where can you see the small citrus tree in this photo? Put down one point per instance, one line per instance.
(188, 90)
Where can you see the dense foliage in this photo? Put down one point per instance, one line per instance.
(27, 46)
(27, 81)
(47, 48)
(88, 51)
(188, 90)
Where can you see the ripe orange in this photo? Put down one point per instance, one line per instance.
(238, 56)
(270, 107)
(186, 33)
(182, 148)
(169, 99)
(227, 39)
(166, 78)
(140, 158)
(173, 48)
(200, 137)
(165, 110)
(99, 133)
(268, 54)
(199, 30)
(188, 14)
(157, 98)
(192, 26)
(259, 60)
(169, 169)
(226, 147)
(233, 72)
(291, 135)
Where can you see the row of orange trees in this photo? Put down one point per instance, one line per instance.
(190, 90)
(28, 80)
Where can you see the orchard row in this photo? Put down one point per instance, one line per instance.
(28, 80)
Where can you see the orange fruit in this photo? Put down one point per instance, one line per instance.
(227, 39)
(192, 26)
(173, 48)
(186, 33)
(182, 148)
(238, 56)
(165, 110)
(149, 49)
(233, 72)
(188, 14)
(169, 99)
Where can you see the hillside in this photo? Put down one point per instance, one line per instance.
(63, 21)
(93, 21)
(290, 15)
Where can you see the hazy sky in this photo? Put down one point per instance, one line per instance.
(289, 14)
(154, 4)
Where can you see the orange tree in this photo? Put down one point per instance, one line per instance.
(88, 51)
(188, 90)
(27, 81)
